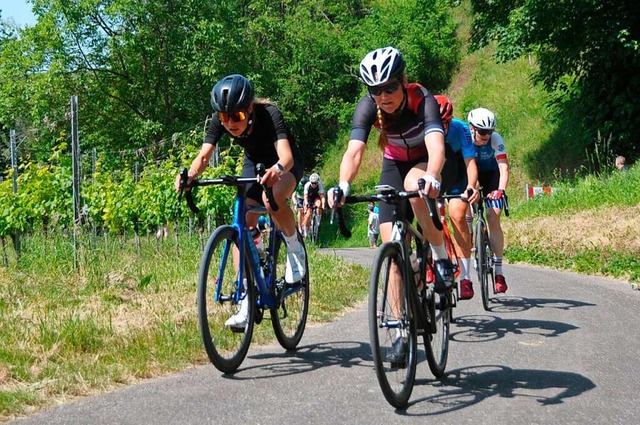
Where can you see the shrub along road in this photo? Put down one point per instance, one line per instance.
(557, 348)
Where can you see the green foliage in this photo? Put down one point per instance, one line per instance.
(589, 60)
(143, 71)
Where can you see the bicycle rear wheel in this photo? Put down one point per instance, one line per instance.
(391, 315)
(481, 248)
(217, 287)
(315, 227)
(289, 318)
(436, 336)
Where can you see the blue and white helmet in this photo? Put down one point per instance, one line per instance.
(482, 118)
(381, 65)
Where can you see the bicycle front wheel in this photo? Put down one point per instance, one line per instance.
(391, 317)
(481, 248)
(289, 318)
(315, 227)
(436, 337)
(217, 288)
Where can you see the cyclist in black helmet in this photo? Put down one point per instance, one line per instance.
(258, 126)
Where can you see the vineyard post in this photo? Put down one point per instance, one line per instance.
(14, 167)
(75, 152)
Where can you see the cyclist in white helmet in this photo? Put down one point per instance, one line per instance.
(314, 194)
(412, 141)
(493, 176)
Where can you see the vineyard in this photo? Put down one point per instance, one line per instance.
(137, 200)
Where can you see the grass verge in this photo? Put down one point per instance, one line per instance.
(119, 318)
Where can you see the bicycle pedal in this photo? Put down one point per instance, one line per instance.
(236, 330)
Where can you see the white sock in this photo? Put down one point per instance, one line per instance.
(465, 264)
(439, 252)
(497, 262)
(291, 241)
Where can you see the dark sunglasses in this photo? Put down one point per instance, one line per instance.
(484, 132)
(232, 116)
(388, 89)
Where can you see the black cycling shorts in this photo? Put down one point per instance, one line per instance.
(394, 172)
(254, 191)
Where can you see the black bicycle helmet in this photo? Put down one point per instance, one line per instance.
(232, 94)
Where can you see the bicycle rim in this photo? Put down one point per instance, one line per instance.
(290, 317)
(437, 343)
(396, 380)
(225, 346)
(481, 258)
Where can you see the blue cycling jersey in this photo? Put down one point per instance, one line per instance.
(459, 138)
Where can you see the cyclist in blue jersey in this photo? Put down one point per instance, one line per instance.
(493, 176)
(457, 135)
(259, 127)
(412, 140)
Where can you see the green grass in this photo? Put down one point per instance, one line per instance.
(120, 317)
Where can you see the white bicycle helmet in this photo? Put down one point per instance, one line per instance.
(381, 65)
(482, 118)
(314, 178)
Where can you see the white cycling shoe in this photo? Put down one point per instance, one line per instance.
(239, 320)
(296, 260)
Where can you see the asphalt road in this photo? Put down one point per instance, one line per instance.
(557, 348)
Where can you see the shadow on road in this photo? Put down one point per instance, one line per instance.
(506, 304)
(307, 358)
(464, 387)
(488, 328)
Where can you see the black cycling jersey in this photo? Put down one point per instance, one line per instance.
(259, 145)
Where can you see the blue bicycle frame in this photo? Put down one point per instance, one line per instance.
(245, 240)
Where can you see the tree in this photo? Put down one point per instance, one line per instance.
(588, 56)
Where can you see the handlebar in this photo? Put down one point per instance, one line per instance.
(224, 180)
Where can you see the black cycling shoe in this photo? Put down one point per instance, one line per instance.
(444, 275)
(397, 356)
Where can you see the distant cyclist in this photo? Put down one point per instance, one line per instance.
(313, 195)
(457, 135)
(297, 200)
(493, 176)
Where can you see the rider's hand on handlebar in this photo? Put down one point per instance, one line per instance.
(496, 194)
(271, 176)
(192, 175)
(431, 187)
(336, 199)
(471, 195)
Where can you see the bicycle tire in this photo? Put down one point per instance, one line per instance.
(436, 336)
(225, 346)
(396, 380)
(315, 227)
(481, 245)
(289, 317)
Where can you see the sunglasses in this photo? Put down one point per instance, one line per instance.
(232, 116)
(388, 89)
(484, 132)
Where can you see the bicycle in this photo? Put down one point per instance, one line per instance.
(413, 310)
(231, 268)
(483, 260)
(314, 224)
